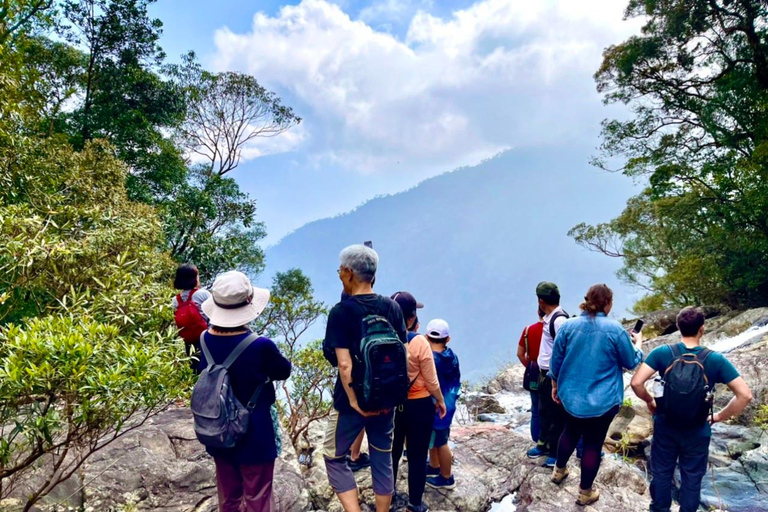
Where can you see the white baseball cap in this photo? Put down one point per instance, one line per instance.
(438, 329)
(234, 300)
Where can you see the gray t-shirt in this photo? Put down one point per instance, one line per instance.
(198, 298)
(547, 341)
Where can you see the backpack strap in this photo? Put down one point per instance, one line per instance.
(179, 302)
(239, 349)
(674, 348)
(255, 396)
(703, 354)
(555, 316)
(525, 333)
(206, 352)
(192, 292)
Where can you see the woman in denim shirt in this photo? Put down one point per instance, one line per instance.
(589, 357)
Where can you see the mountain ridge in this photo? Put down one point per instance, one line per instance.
(472, 243)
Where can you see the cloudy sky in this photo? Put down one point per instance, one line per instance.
(395, 91)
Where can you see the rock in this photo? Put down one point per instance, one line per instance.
(730, 488)
(478, 404)
(510, 379)
(162, 466)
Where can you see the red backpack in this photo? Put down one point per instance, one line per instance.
(190, 322)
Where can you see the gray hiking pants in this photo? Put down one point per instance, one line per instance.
(341, 431)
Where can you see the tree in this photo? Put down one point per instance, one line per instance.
(225, 113)
(696, 80)
(16, 16)
(87, 348)
(292, 311)
(124, 100)
(210, 221)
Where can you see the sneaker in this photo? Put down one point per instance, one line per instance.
(558, 475)
(536, 452)
(440, 482)
(550, 462)
(432, 471)
(413, 508)
(362, 462)
(587, 497)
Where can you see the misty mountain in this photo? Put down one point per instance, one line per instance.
(473, 243)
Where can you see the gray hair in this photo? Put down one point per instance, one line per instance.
(361, 260)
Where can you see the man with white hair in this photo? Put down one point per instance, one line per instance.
(343, 336)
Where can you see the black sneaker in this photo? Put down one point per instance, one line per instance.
(362, 462)
(432, 471)
(413, 508)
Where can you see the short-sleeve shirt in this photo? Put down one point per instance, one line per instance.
(717, 367)
(344, 330)
(547, 341)
(534, 340)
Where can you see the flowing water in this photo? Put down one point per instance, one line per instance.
(507, 504)
(728, 344)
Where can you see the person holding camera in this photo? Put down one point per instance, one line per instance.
(587, 366)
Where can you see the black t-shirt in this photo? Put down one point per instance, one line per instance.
(344, 330)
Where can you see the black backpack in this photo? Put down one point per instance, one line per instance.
(379, 366)
(220, 419)
(555, 316)
(688, 395)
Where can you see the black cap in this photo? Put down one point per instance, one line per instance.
(408, 303)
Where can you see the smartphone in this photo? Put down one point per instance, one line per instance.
(638, 326)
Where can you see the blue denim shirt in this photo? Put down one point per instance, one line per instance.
(588, 360)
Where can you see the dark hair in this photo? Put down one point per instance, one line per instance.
(229, 329)
(597, 300)
(186, 277)
(689, 321)
(542, 314)
(550, 300)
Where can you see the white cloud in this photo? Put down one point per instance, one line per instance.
(500, 73)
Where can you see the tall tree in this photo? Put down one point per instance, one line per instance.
(211, 221)
(123, 98)
(16, 17)
(696, 80)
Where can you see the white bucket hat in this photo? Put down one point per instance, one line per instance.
(234, 300)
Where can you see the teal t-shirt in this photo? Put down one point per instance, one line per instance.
(718, 368)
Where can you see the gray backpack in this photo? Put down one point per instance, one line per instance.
(220, 419)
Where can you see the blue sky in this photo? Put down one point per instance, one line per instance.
(396, 91)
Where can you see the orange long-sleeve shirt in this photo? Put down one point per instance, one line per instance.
(421, 367)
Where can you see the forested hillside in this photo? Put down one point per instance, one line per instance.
(472, 244)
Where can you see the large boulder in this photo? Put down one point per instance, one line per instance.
(162, 467)
(480, 403)
(489, 465)
(509, 379)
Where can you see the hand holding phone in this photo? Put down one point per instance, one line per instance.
(638, 326)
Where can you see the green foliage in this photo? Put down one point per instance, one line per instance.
(19, 16)
(697, 83)
(209, 220)
(87, 351)
(761, 416)
(291, 312)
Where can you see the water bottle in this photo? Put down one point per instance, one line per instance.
(658, 387)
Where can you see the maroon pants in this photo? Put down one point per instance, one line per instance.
(245, 488)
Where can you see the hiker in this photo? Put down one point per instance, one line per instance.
(415, 419)
(589, 357)
(528, 354)
(357, 460)
(352, 410)
(188, 313)
(439, 473)
(409, 306)
(683, 411)
(244, 473)
(551, 414)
